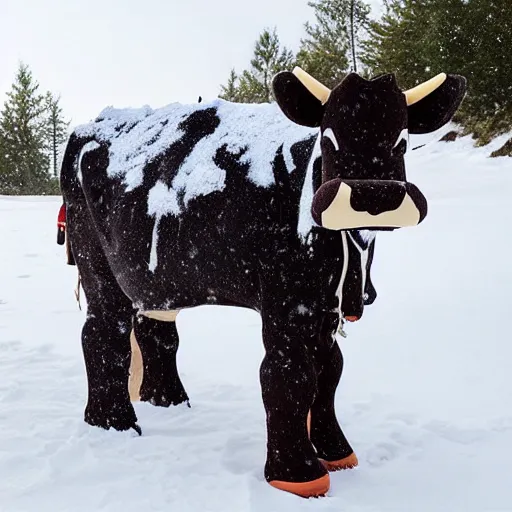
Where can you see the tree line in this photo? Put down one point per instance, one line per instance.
(415, 39)
(32, 132)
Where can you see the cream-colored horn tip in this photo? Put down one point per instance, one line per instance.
(422, 90)
(298, 71)
(441, 78)
(438, 80)
(319, 90)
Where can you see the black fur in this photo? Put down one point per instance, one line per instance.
(296, 102)
(158, 342)
(367, 117)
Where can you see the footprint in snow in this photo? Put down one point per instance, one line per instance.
(23, 276)
(10, 345)
(407, 419)
(455, 434)
(502, 424)
(382, 453)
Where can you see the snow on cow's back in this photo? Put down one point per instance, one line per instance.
(137, 136)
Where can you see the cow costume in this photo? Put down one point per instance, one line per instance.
(229, 204)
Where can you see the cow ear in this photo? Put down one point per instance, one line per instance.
(296, 101)
(437, 108)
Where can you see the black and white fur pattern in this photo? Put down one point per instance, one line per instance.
(215, 204)
(238, 232)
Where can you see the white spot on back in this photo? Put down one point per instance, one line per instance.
(162, 200)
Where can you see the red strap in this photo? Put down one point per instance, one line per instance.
(61, 219)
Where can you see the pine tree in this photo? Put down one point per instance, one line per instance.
(229, 92)
(254, 85)
(332, 45)
(488, 47)
(401, 42)
(417, 39)
(23, 128)
(57, 129)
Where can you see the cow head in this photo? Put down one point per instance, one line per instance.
(364, 127)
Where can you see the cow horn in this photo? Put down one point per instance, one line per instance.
(421, 91)
(317, 89)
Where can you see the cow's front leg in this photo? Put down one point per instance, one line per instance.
(158, 342)
(288, 381)
(326, 435)
(106, 348)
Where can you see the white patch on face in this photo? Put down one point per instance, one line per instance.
(329, 134)
(404, 135)
(90, 146)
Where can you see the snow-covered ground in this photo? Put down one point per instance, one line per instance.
(426, 397)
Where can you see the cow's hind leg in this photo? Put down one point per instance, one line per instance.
(158, 342)
(326, 435)
(105, 334)
(288, 380)
(106, 348)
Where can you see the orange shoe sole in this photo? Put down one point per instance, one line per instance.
(339, 465)
(313, 489)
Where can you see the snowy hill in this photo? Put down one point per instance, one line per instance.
(426, 397)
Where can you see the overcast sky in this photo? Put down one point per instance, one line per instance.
(123, 53)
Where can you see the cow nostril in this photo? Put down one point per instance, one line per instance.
(351, 318)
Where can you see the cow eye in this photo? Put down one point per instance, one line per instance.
(404, 136)
(329, 134)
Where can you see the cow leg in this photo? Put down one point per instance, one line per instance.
(326, 434)
(288, 381)
(158, 342)
(106, 332)
(106, 349)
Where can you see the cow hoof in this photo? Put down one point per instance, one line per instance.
(341, 464)
(313, 489)
(165, 399)
(120, 419)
